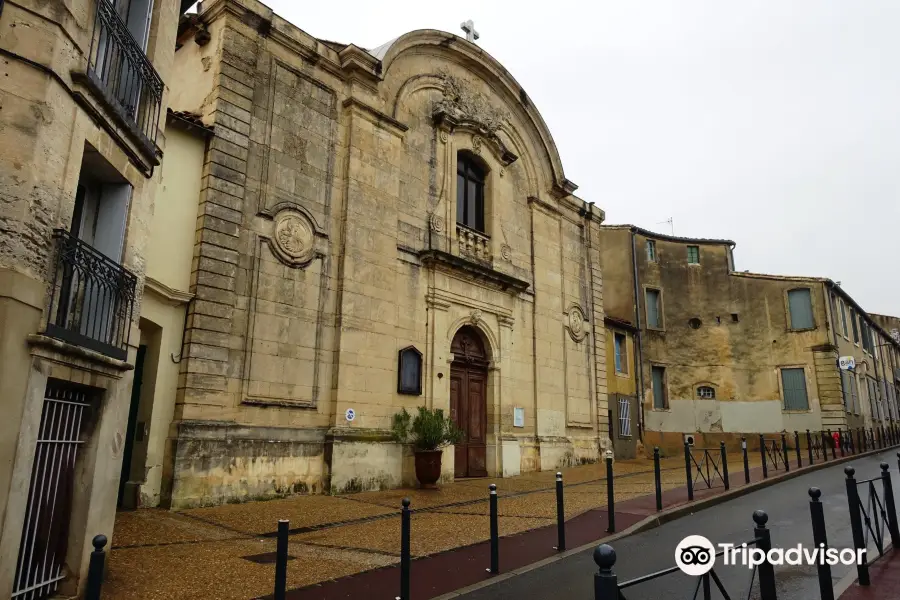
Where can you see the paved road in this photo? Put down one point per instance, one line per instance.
(787, 504)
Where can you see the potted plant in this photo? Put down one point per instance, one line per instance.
(428, 433)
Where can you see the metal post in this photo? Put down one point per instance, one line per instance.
(281, 557)
(820, 540)
(404, 550)
(495, 533)
(766, 569)
(809, 447)
(862, 570)
(610, 494)
(898, 460)
(824, 447)
(724, 464)
(95, 569)
(863, 441)
(560, 515)
(889, 506)
(841, 440)
(687, 471)
(784, 451)
(762, 454)
(658, 478)
(746, 462)
(606, 584)
(797, 448)
(875, 439)
(832, 444)
(850, 444)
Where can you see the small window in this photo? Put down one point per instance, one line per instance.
(734, 318)
(654, 315)
(660, 394)
(800, 306)
(844, 320)
(409, 378)
(854, 326)
(621, 353)
(693, 255)
(705, 392)
(469, 192)
(651, 251)
(695, 323)
(793, 384)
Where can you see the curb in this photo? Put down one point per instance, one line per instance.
(661, 518)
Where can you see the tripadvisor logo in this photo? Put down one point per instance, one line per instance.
(695, 555)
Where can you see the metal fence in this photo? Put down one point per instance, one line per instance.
(624, 417)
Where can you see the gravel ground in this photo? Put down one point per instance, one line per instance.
(155, 526)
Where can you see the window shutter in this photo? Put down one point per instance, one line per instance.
(800, 305)
(793, 382)
(653, 308)
(659, 390)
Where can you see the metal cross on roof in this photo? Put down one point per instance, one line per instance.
(469, 28)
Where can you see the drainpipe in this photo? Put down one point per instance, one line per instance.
(639, 355)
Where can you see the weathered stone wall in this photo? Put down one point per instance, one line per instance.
(326, 243)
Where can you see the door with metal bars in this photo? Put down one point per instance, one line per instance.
(42, 551)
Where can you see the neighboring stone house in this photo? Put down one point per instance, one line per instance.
(378, 229)
(82, 99)
(723, 353)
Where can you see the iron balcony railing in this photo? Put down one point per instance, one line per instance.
(92, 299)
(122, 73)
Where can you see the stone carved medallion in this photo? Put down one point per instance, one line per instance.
(577, 320)
(294, 238)
(505, 252)
(444, 136)
(437, 223)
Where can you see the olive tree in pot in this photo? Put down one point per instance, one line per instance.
(428, 432)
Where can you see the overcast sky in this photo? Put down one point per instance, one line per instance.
(773, 123)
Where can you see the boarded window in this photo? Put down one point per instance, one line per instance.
(706, 392)
(654, 318)
(793, 382)
(693, 255)
(621, 354)
(651, 251)
(660, 397)
(800, 306)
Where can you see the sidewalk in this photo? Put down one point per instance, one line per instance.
(227, 552)
(885, 578)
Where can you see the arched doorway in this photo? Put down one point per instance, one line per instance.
(468, 401)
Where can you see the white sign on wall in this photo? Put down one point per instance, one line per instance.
(350, 415)
(518, 417)
(847, 363)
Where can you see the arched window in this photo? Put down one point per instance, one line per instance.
(469, 192)
(706, 392)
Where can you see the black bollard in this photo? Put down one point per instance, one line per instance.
(689, 479)
(820, 540)
(797, 448)
(746, 462)
(95, 568)
(841, 440)
(889, 506)
(560, 515)
(809, 447)
(404, 549)
(610, 493)
(784, 452)
(606, 584)
(495, 533)
(862, 570)
(766, 570)
(281, 558)
(658, 478)
(762, 455)
(724, 464)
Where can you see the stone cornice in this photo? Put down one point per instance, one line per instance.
(473, 270)
(171, 295)
(376, 116)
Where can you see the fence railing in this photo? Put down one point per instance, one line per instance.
(870, 520)
(122, 73)
(92, 299)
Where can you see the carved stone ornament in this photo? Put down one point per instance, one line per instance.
(444, 136)
(506, 252)
(475, 317)
(577, 321)
(462, 102)
(294, 238)
(437, 223)
(476, 144)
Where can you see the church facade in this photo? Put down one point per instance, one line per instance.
(362, 210)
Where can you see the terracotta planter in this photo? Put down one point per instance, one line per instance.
(428, 468)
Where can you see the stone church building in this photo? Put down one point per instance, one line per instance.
(359, 209)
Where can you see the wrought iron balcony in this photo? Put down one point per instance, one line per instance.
(123, 76)
(92, 300)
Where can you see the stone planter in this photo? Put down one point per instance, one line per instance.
(428, 468)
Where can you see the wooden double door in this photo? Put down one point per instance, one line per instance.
(468, 402)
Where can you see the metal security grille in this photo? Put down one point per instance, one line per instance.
(624, 417)
(42, 550)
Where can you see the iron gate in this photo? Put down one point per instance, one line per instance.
(42, 550)
(624, 416)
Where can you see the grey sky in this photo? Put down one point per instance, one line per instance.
(771, 123)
